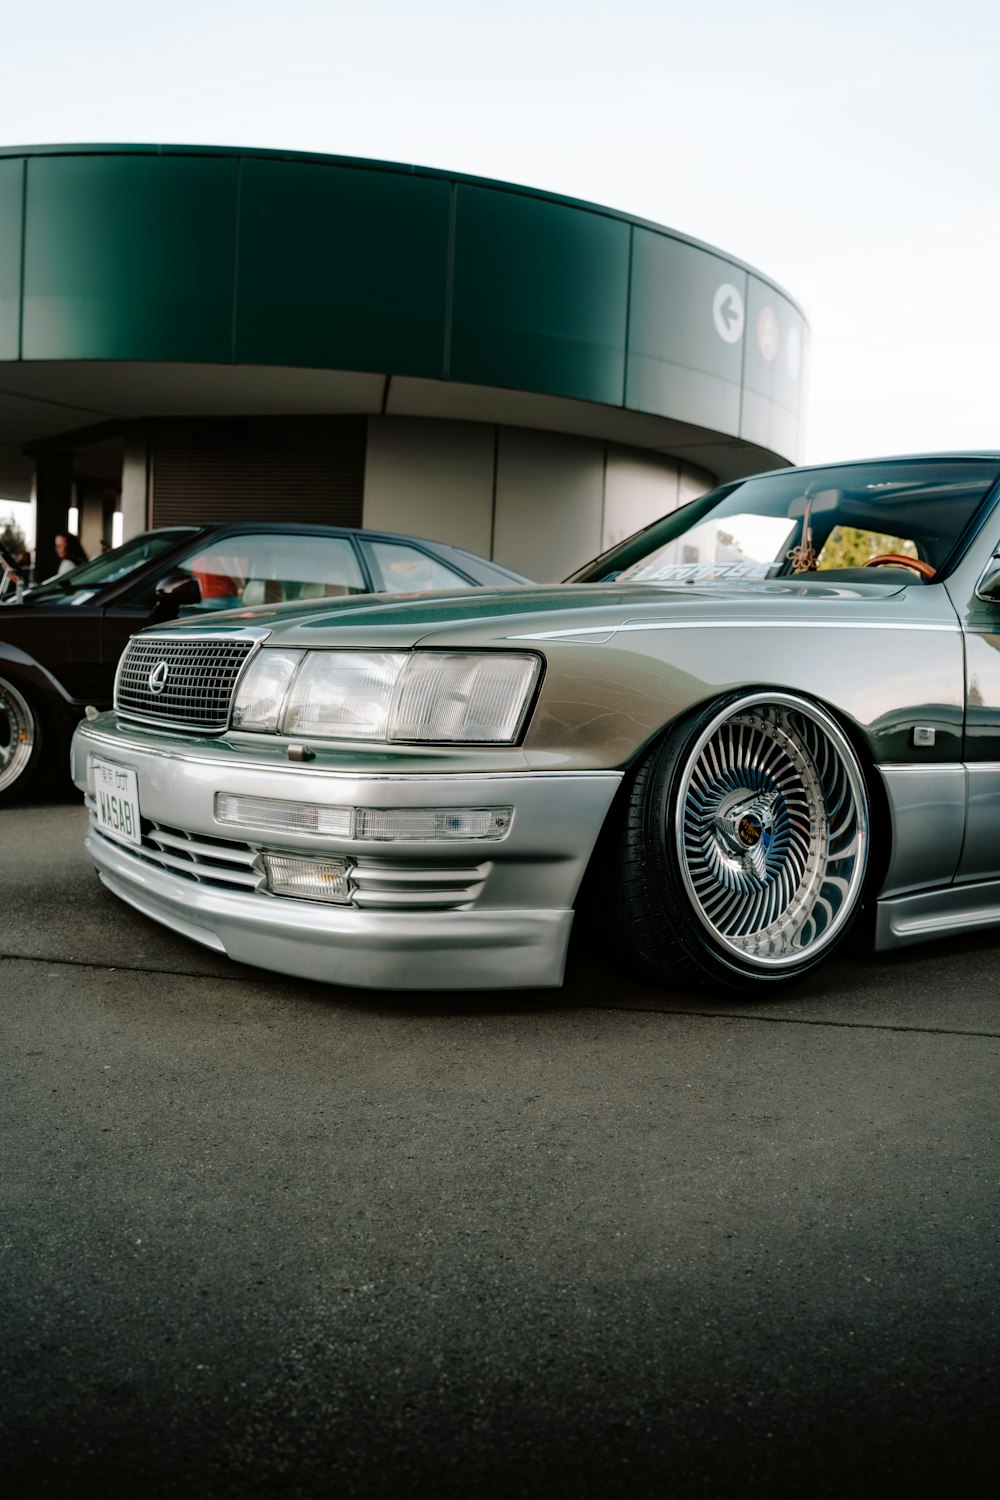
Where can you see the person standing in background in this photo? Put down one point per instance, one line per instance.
(69, 552)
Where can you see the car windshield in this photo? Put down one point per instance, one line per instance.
(818, 522)
(111, 567)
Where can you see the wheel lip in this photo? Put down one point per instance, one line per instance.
(856, 778)
(22, 757)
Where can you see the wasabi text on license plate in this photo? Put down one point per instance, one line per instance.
(116, 801)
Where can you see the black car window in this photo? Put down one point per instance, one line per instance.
(274, 568)
(111, 567)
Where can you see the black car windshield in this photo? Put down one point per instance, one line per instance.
(83, 583)
(830, 522)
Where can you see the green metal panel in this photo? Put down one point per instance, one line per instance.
(342, 269)
(205, 254)
(540, 296)
(772, 371)
(686, 332)
(775, 336)
(11, 197)
(129, 257)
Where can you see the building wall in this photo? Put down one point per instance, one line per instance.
(328, 339)
(541, 503)
(550, 498)
(432, 479)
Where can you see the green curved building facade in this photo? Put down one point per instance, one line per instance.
(253, 323)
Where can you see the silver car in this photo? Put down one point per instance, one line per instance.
(771, 711)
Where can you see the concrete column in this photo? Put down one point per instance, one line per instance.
(135, 480)
(53, 498)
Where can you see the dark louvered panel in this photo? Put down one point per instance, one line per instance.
(308, 469)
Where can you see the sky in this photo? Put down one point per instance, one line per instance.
(846, 150)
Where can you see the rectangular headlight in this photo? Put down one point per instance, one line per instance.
(343, 695)
(460, 698)
(416, 697)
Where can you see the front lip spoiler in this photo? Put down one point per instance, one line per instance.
(511, 934)
(478, 949)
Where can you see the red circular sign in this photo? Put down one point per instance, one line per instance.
(768, 332)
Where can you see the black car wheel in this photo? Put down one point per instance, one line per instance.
(741, 859)
(20, 738)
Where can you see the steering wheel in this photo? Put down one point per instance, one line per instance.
(900, 560)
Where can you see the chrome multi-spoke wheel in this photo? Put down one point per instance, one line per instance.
(742, 856)
(772, 830)
(19, 737)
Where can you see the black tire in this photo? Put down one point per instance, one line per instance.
(738, 862)
(20, 739)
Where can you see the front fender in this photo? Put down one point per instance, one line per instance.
(45, 690)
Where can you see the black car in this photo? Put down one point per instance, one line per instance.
(60, 641)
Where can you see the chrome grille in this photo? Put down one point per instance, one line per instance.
(197, 686)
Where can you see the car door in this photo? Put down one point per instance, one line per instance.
(980, 613)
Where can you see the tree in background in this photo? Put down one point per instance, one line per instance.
(11, 536)
(848, 547)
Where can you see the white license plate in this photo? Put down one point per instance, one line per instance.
(116, 799)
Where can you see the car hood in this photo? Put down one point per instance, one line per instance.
(539, 612)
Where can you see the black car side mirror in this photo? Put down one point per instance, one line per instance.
(173, 591)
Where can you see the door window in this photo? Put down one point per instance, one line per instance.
(274, 569)
(409, 570)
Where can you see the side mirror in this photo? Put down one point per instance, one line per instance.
(988, 587)
(173, 591)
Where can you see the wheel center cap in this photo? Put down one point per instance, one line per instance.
(749, 830)
(744, 826)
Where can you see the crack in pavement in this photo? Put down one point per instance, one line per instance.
(637, 1010)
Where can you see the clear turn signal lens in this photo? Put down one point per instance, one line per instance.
(309, 879)
(433, 822)
(286, 817)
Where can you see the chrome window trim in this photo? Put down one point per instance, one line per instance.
(992, 566)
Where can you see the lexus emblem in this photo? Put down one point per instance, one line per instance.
(157, 679)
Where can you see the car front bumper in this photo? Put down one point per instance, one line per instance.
(455, 914)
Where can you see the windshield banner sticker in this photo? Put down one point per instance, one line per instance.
(697, 572)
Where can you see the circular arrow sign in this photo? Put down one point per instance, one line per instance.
(727, 312)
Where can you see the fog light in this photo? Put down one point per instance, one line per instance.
(309, 879)
(432, 822)
(289, 817)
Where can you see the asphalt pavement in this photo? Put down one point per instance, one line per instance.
(263, 1237)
